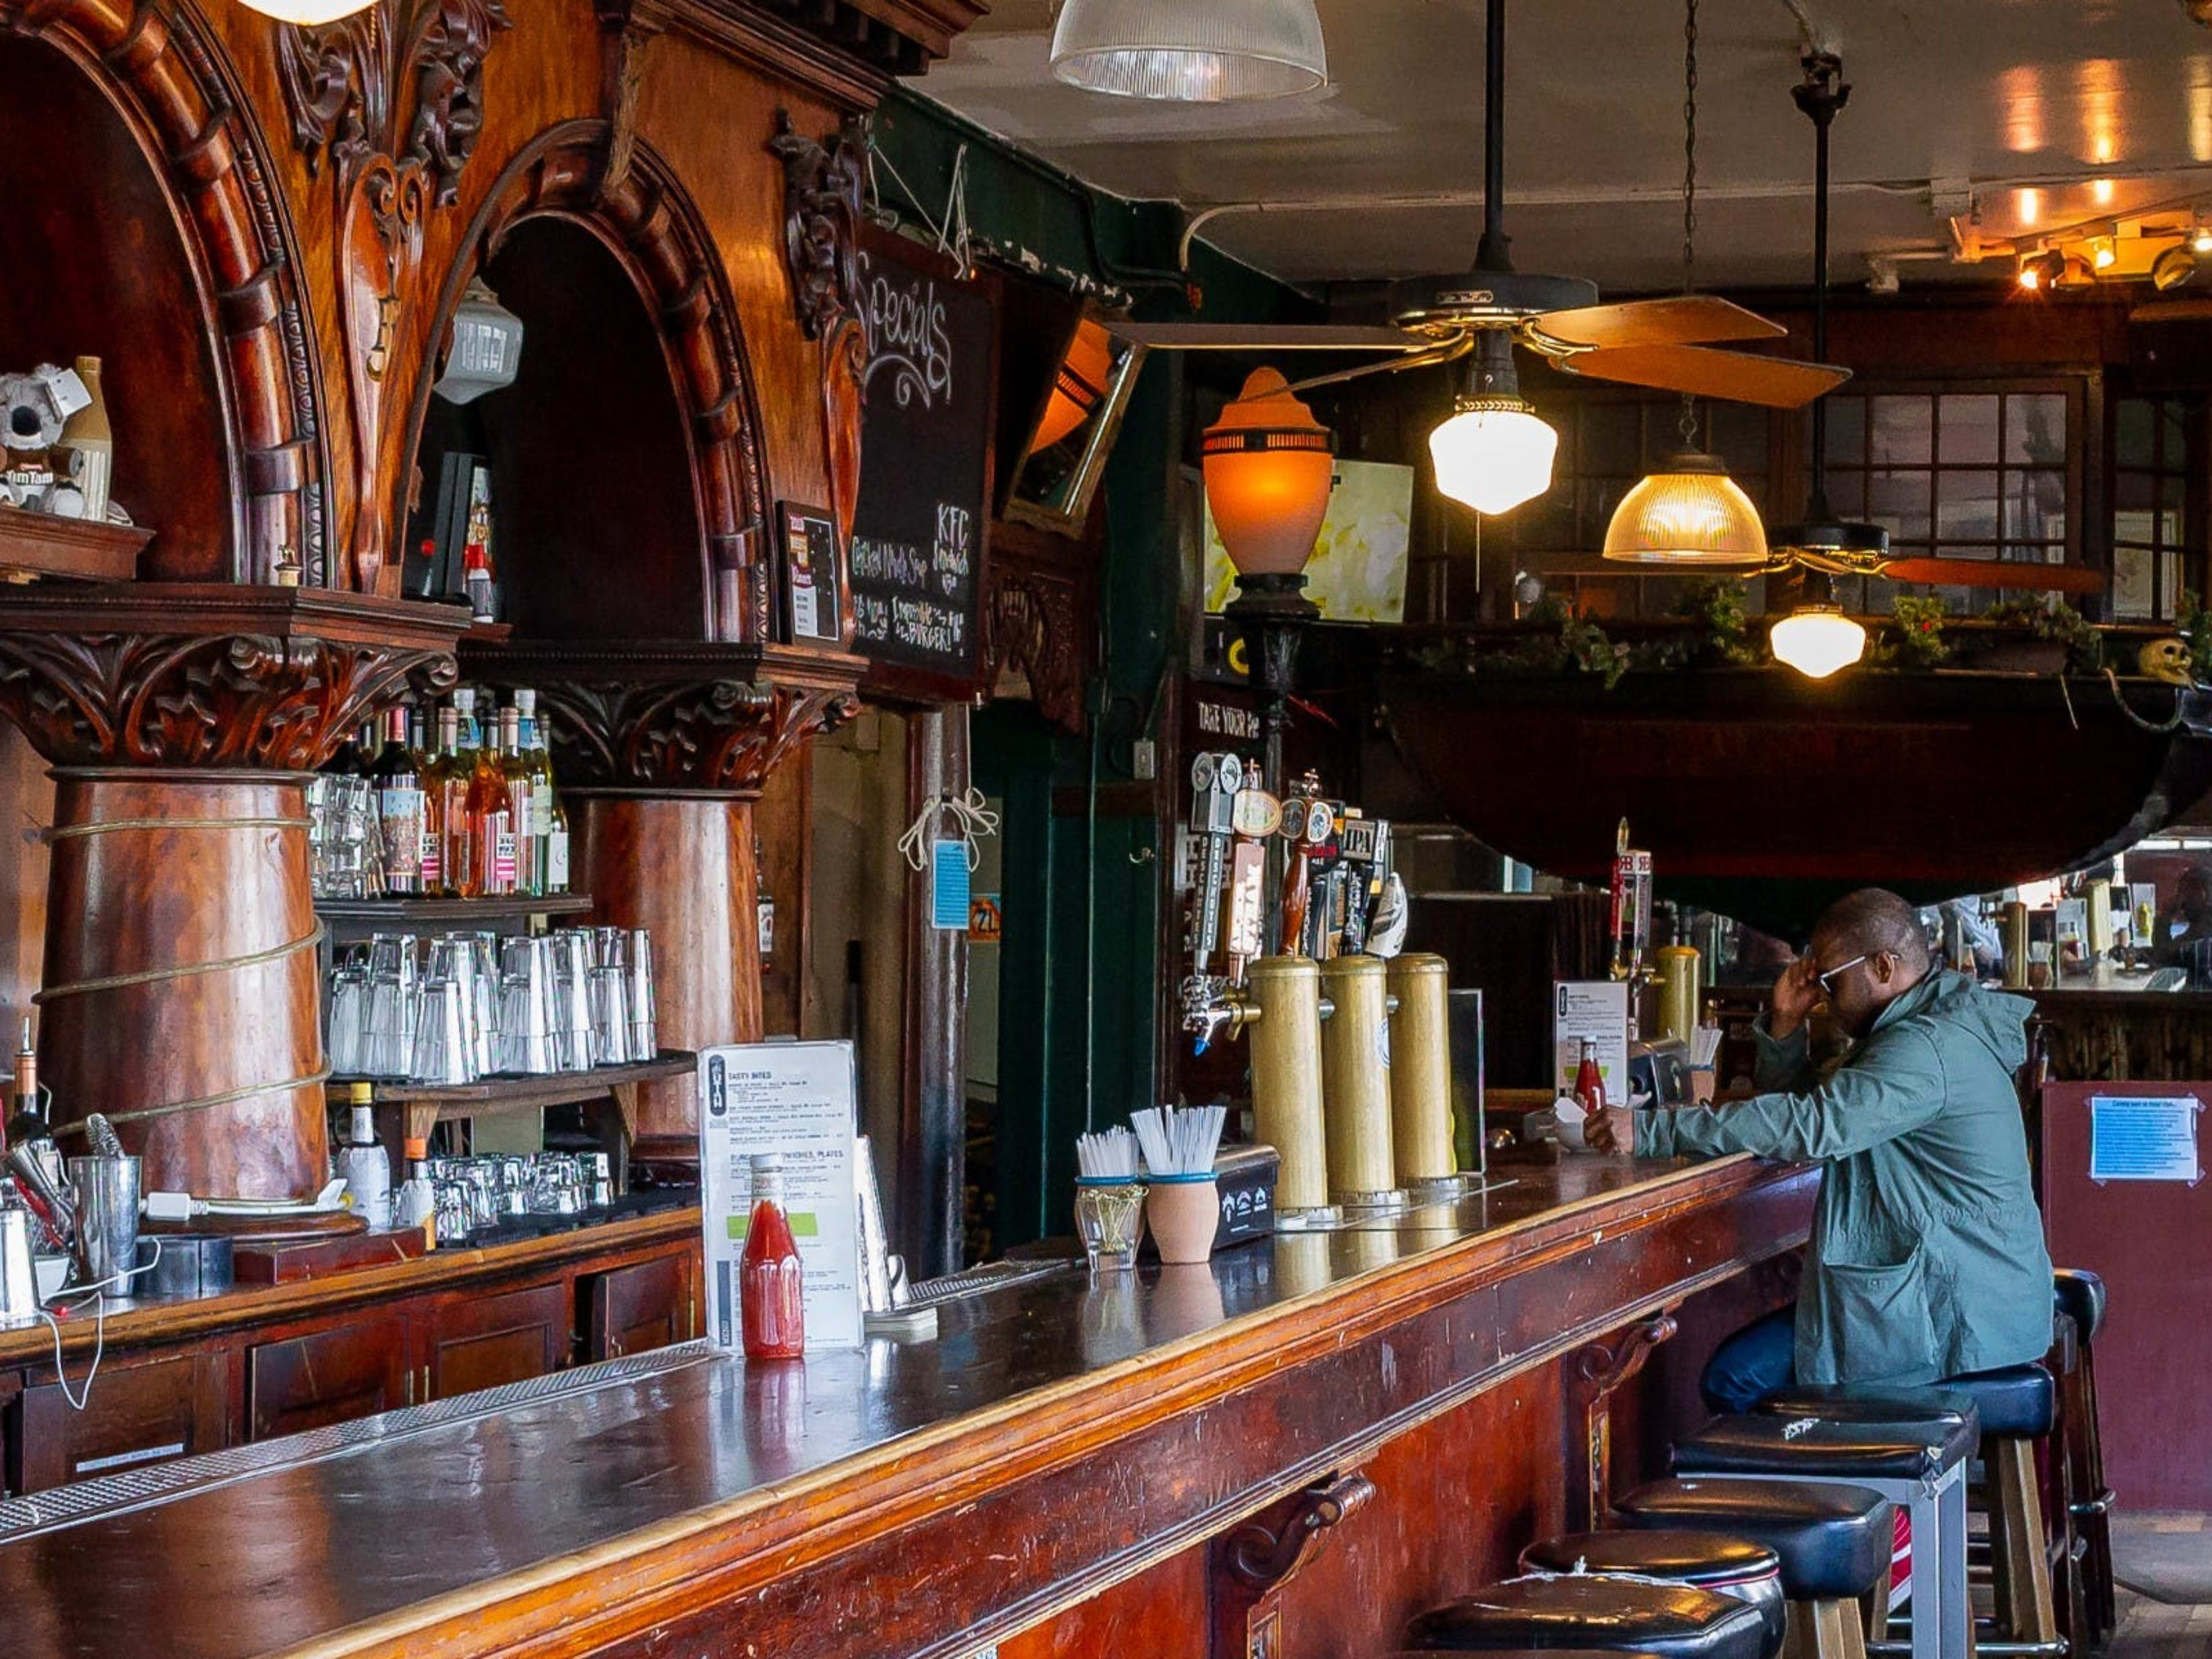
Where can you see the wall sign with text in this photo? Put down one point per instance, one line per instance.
(917, 531)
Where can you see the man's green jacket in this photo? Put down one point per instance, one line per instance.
(1927, 1258)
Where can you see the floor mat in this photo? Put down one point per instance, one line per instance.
(2167, 1557)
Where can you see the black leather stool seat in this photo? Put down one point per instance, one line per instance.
(1782, 1446)
(1731, 1567)
(1832, 1542)
(1614, 1615)
(1557, 1653)
(1848, 1402)
(2018, 1400)
(2079, 1295)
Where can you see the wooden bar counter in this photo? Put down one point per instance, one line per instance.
(1139, 1465)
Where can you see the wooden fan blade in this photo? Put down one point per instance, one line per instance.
(1263, 337)
(1684, 319)
(1996, 573)
(1743, 377)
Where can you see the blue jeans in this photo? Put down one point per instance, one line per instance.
(1758, 1362)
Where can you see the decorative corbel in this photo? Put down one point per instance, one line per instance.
(1596, 1371)
(1250, 1565)
(822, 184)
(624, 34)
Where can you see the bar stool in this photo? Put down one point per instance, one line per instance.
(1737, 1567)
(1920, 1465)
(2080, 1296)
(1611, 1615)
(2016, 1407)
(1831, 1545)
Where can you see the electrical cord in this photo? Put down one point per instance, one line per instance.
(98, 1293)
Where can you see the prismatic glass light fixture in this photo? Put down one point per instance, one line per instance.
(307, 13)
(1494, 452)
(1192, 51)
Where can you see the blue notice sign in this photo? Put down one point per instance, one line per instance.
(2144, 1138)
(948, 885)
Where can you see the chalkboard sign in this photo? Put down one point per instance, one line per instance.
(931, 384)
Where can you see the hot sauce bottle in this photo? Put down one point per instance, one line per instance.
(771, 1294)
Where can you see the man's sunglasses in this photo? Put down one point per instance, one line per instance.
(1824, 980)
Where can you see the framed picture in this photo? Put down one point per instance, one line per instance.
(809, 575)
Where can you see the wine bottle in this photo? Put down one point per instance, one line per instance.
(457, 838)
(491, 812)
(399, 808)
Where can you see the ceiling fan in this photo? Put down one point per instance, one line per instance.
(1665, 344)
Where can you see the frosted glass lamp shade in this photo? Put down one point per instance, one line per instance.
(1817, 640)
(487, 353)
(307, 12)
(1493, 454)
(1269, 467)
(1191, 52)
(1689, 512)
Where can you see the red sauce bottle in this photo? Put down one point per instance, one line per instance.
(1590, 1082)
(771, 1290)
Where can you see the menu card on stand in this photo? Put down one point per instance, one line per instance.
(797, 1099)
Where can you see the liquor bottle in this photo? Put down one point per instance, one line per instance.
(89, 434)
(556, 847)
(399, 807)
(416, 1205)
(538, 764)
(427, 774)
(521, 803)
(771, 1290)
(456, 842)
(491, 812)
(764, 907)
(1590, 1082)
(364, 1164)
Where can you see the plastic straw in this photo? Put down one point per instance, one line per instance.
(1111, 1155)
(1180, 1141)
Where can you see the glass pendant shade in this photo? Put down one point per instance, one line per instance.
(1817, 640)
(307, 12)
(1079, 386)
(487, 352)
(1493, 454)
(1688, 513)
(1269, 467)
(1192, 51)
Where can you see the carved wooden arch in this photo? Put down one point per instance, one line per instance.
(638, 211)
(160, 66)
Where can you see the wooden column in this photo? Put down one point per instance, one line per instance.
(180, 992)
(661, 753)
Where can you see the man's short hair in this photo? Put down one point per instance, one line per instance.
(1872, 920)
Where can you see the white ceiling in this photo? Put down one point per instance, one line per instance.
(2018, 105)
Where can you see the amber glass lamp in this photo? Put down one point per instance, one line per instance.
(1079, 386)
(1269, 466)
(1688, 513)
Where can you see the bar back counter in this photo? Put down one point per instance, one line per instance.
(1289, 1450)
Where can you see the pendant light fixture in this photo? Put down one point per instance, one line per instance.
(1269, 467)
(1186, 51)
(1494, 452)
(1817, 638)
(308, 13)
(1690, 512)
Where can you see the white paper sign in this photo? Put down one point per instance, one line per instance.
(1596, 1009)
(2144, 1138)
(795, 1098)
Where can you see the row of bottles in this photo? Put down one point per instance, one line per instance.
(463, 809)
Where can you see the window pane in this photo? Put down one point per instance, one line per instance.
(1846, 431)
(1548, 522)
(2134, 491)
(2035, 428)
(1970, 430)
(1739, 437)
(2173, 435)
(1966, 507)
(1903, 431)
(2131, 583)
(2169, 593)
(1613, 440)
(1847, 491)
(1899, 501)
(2034, 506)
(2134, 439)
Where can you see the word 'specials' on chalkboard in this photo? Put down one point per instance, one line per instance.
(932, 381)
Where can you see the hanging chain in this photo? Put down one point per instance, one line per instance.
(1689, 422)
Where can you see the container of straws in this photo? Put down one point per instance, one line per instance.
(1109, 1200)
(1182, 1203)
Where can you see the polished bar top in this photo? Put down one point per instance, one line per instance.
(371, 1538)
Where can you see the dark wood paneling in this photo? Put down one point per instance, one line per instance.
(135, 1414)
(636, 1310)
(331, 1376)
(484, 1342)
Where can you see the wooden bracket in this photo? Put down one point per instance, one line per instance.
(1595, 1372)
(1249, 1566)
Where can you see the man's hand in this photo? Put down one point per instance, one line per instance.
(1796, 992)
(1603, 1132)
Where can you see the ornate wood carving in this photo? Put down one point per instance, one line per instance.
(645, 216)
(1037, 625)
(1249, 1565)
(623, 36)
(822, 182)
(184, 98)
(707, 721)
(200, 677)
(393, 95)
(1598, 1369)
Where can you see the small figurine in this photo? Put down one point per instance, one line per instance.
(34, 409)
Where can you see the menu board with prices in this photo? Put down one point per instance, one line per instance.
(918, 531)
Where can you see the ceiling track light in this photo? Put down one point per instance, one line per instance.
(2102, 254)
(2042, 271)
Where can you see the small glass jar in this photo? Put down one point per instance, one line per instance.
(1110, 1218)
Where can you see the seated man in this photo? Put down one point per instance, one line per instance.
(1927, 1258)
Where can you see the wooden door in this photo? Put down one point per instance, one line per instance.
(136, 1414)
(638, 1309)
(334, 1374)
(482, 1342)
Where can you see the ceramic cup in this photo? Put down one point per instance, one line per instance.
(1183, 1211)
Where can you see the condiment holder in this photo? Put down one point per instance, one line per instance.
(1110, 1200)
(1182, 1201)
